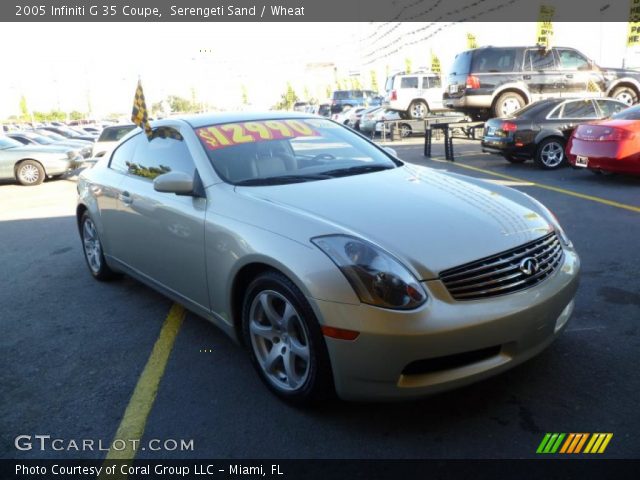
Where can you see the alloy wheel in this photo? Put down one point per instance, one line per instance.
(91, 243)
(29, 173)
(509, 106)
(552, 154)
(625, 97)
(280, 340)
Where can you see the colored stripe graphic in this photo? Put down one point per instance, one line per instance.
(574, 443)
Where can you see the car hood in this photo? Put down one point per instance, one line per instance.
(431, 221)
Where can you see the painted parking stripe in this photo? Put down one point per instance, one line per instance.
(592, 198)
(135, 416)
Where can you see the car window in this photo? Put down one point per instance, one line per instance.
(578, 109)
(409, 82)
(123, 154)
(165, 152)
(539, 59)
(431, 82)
(610, 107)
(292, 149)
(21, 139)
(572, 60)
(494, 60)
(113, 134)
(462, 63)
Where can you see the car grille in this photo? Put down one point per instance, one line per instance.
(505, 272)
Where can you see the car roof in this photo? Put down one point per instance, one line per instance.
(205, 119)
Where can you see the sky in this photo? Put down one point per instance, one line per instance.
(66, 65)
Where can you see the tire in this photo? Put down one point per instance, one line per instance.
(92, 250)
(418, 110)
(292, 377)
(625, 95)
(30, 172)
(507, 103)
(512, 159)
(405, 130)
(550, 153)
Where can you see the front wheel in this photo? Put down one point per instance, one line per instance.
(30, 172)
(405, 130)
(550, 154)
(284, 340)
(92, 248)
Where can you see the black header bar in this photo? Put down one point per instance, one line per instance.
(312, 10)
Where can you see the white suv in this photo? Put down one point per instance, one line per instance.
(415, 94)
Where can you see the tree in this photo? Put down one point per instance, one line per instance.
(25, 116)
(180, 104)
(76, 115)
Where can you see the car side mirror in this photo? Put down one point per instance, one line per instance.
(174, 182)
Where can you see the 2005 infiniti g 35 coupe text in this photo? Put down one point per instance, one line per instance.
(338, 266)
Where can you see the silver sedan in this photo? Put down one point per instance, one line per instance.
(31, 164)
(338, 266)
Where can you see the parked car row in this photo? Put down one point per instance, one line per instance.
(30, 155)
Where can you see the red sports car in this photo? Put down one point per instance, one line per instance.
(608, 146)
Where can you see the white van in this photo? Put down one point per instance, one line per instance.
(416, 94)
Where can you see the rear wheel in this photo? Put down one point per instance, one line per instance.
(625, 95)
(418, 109)
(550, 153)
(284, 340)
(92, 248)
(508, 103)
(30, 172)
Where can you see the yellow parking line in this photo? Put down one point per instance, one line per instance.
(135, 416)
(592, 198)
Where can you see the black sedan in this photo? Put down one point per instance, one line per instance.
(540, 130)
(70, 134)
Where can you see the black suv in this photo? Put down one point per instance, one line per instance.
(496, 81)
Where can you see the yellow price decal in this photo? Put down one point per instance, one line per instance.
(230, 134)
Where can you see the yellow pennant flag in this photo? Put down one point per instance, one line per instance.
(139, 114)
(633, 33)
(545, 27)
(471, 41)
(435, 63)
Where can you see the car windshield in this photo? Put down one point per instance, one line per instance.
(271, 152)
(6, 142)
(41, 139)
(51, 135)
(632, 113)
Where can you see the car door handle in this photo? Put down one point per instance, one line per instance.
(125, 197)
(569, 75)
(527, 77)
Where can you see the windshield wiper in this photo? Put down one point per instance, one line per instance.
(282, 179)
(340, 172)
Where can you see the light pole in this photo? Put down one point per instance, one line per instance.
(602, 9)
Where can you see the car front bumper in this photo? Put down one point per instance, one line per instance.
(509, 329)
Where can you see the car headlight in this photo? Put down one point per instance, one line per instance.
(71, 154)
(377, 278)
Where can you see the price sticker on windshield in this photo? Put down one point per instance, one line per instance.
(231, 134)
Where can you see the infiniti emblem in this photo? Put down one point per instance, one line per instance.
(529, 266)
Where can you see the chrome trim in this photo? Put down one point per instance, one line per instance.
(500, 274)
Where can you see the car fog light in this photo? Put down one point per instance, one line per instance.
(564, 316)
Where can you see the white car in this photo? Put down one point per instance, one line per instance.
(344, 117)
(109, 138)
(415, 94)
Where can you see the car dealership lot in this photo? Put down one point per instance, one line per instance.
(74, 348)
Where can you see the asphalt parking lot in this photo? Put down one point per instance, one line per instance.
(74, 349)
